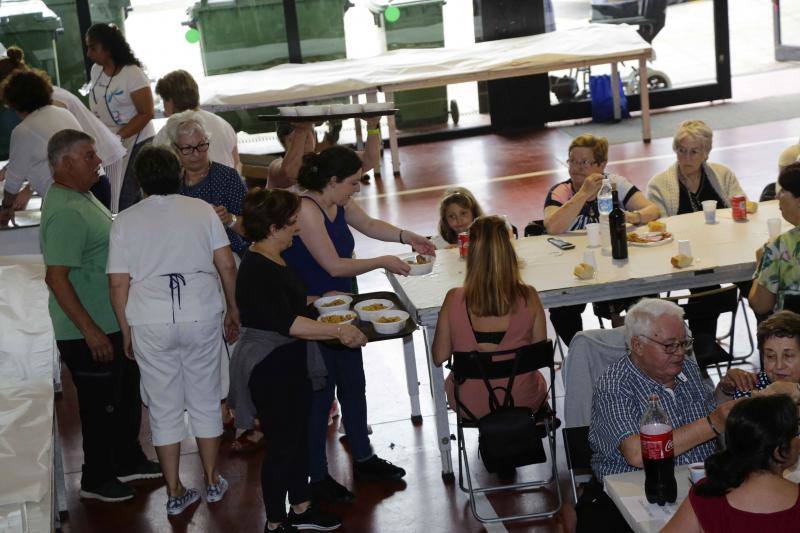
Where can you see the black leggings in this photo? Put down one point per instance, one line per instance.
(281, 392)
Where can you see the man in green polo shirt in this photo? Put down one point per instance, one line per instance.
(74, 240)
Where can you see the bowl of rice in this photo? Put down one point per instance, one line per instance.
(389, 322)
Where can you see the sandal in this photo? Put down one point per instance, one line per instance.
(244, 444)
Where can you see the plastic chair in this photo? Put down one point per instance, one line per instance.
(706, 349)
(480, 366)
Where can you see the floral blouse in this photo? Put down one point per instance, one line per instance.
(779, 271)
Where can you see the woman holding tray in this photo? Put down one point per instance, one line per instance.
(322, 253)
(273, 368)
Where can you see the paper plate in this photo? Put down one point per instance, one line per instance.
(650, 234)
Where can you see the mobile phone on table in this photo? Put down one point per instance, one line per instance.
(559, 243)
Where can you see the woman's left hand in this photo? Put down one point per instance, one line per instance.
(223, 214)
(419, 243)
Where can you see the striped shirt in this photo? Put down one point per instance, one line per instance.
(620, 399)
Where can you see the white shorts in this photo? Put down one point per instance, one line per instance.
(180, 368)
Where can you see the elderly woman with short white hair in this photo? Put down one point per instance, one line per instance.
(683, 188)
(692, 179)
(219, 185)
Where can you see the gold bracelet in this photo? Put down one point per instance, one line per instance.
(375, 131)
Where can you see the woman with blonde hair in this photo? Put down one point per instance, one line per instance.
(493, 311)
(457, 209)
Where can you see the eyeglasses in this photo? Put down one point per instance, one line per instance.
(583, 163)
(672, 347)
(187, 150)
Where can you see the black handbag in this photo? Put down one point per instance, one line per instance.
(507, 438)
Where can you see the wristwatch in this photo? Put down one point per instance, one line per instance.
(233, 221)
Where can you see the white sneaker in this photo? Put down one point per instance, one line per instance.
(178, 504)
(214, 493)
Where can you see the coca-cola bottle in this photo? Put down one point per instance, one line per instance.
(655, 433)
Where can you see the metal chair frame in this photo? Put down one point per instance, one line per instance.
(542, 354)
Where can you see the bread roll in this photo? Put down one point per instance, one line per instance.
(656, 225)
(584, 271)
(681, 261)
(751, 207)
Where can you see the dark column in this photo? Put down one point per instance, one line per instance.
(522, 101)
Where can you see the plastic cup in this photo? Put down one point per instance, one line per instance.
(710, 211)
(685, 247)
(774, 228)
(697, 471)
(593, 232)
(589, 258)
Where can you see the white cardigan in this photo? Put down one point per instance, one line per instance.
(663, 189)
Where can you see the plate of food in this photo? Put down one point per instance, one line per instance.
(337, 317)
(420, 264)
(649, 238)
(369, 308)
(337, 302)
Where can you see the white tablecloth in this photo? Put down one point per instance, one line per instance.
(289, 82)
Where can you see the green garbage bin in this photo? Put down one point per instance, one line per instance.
(420, 26)
(69, 43)
(238, 35)
(32, 26)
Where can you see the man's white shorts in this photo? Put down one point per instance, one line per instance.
(180, 368)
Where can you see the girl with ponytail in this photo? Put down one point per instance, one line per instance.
(744, 488)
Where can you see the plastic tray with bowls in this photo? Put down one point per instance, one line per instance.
(367, 327)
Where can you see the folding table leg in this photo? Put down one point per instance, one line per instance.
(615, 91)
(59, 481)
(393, 137)
(412, 382)
(440, 408)
(644, 96)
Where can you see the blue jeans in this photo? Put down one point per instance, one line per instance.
(346, 373)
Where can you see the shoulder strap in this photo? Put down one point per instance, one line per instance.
(316, 204)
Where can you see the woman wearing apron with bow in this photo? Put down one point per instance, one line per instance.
(120, 96)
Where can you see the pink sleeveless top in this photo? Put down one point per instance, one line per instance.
(717, 516)
(529, 389)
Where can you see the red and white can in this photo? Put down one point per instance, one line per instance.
(739, 208)
(463, 244)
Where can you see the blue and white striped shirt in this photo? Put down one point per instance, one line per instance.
(620, 399)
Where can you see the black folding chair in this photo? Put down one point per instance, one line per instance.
(485, 367)
(579, 455)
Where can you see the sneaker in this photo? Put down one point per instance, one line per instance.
(178, 504)
(286, 527)
(343, 431)
(144, 470)
(110, 491)
(313, 518)
(330, 490)
(377, 469)
(214, 493)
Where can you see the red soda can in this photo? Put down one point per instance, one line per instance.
(463, 244)
(739, 208)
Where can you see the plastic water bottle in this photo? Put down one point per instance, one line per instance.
(605, 204)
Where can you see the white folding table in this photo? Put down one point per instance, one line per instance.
(627, 492)
(724, 253)
(406, 69)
